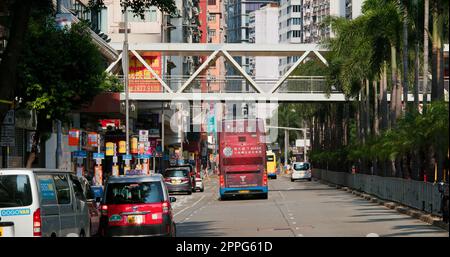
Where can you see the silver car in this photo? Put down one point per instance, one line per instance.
(301, 170)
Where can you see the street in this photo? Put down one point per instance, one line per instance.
(300, 208)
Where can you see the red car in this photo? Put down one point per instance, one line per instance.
(137, 206)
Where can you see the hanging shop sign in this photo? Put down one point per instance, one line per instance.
(109, 148)
(134, 145)
(127, 157)
(74, 137)
(80, 154)
(143, 135)
(93, 139)
(99, 156)
(122, 146)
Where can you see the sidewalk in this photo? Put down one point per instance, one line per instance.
(423, 216)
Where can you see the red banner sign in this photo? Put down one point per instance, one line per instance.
(74, 137)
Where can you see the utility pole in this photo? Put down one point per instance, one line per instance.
(58, 144)
(125, 75)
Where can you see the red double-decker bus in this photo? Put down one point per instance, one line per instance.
(242, 153)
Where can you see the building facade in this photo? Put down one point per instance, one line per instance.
(238, 31)
(264, 30)
(216, 34)
(301, 21)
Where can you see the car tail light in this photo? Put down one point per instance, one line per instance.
(104, 210)
(167, 179)
(265, 179)
(184, 179)
(222, 181)
(165, 207)
(37, 223)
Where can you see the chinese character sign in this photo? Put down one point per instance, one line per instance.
(141, 80)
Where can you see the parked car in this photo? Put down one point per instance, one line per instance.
(178, 179)
(301, 170)
(42, 203)
(94, 210)
(199, 183)
(137, 205)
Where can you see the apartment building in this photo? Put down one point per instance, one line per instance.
(216, 29)
(264, 30)
(238, 30)
(301, 21)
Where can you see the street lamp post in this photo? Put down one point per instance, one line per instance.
(125, 74)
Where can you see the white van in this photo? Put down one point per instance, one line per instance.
(42, 202)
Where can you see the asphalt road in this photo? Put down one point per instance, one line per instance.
(294, 209)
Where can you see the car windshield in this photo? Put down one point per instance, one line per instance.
(176, 173)
(131, 193)
(301, 166)
(15, 191)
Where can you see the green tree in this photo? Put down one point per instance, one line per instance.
(65, 72)
(18, 23)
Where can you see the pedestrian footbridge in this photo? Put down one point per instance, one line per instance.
(243, 87)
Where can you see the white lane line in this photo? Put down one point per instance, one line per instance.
(300, 235)
(294, 222)
(291, 218)
(297, 228)
(201, 198)
(290, 214)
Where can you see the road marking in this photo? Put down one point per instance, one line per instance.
(294, 222)
(201, 198)
(372, 235)
(297, 228)
(290, 214)
(291, 218)
(300, 235)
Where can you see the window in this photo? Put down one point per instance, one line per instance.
(149, 16)
(296, 8)
(288, 23)
(270, 158)
(78, 189)
(15, 191)
(289, 34)
(301, 166)
(47, 189)
(131, 193)
(176, 173)
(211, 2)
(296, 21)
(212, 32)
(212, 17)
(62, 189)
(296, 33)
(288, 10)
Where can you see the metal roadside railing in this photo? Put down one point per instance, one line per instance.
(419, 195)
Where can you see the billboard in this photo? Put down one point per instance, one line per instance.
(141, 80)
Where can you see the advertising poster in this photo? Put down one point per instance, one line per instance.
(141, 80)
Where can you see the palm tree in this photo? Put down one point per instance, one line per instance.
(384, 25)
(426, 31)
